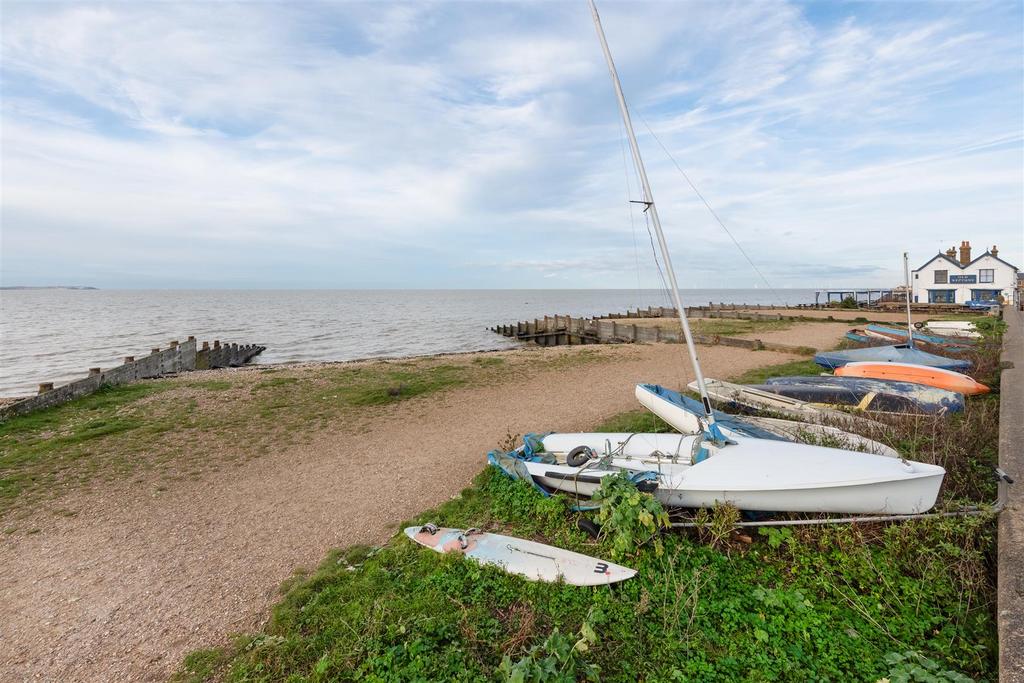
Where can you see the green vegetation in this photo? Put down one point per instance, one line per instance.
(759, 375)
(821, 604)
(729, 327)
(54, 447)
(907, 602)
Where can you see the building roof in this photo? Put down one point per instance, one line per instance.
(957, 264)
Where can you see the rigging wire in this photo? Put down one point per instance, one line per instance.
(667, 301)
(711, 210)
(629, 206)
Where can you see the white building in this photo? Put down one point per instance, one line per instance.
(946, 280)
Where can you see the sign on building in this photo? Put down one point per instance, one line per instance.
(963, 279)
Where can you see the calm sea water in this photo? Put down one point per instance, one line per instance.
(56, 335)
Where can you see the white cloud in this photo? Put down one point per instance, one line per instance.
(371, 129)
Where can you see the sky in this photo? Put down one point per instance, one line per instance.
(478, 145)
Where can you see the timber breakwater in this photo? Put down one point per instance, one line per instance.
(614, 328)
(175, 359)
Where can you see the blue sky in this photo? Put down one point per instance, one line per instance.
(478, 145)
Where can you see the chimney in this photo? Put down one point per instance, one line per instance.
(965, 253)
(951, 252)
(994, 251)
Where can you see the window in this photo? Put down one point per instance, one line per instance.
(987, 275)
(942, 296)
(915, 275)
(941, 277)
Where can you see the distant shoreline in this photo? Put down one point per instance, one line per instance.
(50, 287)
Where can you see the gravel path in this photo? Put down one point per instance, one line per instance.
(135, 580)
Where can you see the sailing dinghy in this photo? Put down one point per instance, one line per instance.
(705, 469)
(752, 474)
(682, 412)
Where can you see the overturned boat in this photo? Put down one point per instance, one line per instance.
(952, 328)
(896, 353)
(683, 413)
(868, 394)
(918, 374)
(691, 471)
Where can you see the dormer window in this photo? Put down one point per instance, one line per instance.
(987, 275)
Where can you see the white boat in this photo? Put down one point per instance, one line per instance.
(752, 474)
(671, 407)
(701, 470)
(953, 328)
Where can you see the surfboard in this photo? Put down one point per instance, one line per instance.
(535, 561)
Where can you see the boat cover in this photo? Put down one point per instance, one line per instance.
(896, 353)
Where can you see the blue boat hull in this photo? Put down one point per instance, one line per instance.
(852, 335)
(927, 399)
(897, 353)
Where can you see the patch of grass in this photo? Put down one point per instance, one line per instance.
(489, 361)
(116, 432)
(728, 327)
(822, 604)
(37, 449)
(640, 421)
(759, 375)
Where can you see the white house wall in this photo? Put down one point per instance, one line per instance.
(1004, 279)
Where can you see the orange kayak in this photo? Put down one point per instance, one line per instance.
(919, 374)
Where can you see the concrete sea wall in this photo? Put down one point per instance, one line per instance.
(177, 358)
(1010, 569)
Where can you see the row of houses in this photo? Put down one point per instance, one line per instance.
(947, 279)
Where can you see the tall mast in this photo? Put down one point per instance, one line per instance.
(906, 281)
(652, 210)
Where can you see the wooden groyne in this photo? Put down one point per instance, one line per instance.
(560, 330)
(176, 358)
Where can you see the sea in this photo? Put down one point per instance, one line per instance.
(56, 335)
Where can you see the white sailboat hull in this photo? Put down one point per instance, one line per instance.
(755, 474)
